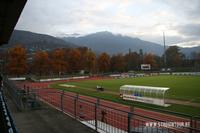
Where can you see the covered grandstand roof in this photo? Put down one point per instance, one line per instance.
(10, 11)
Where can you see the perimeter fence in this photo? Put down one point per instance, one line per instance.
(105, 116)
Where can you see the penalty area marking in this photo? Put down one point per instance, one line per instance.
(67, 85)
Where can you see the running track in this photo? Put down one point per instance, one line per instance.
(116, 114)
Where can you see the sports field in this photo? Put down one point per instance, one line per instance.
(182, 88)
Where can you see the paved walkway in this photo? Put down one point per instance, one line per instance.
(45, 120)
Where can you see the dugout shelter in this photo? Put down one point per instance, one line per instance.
(145, 94)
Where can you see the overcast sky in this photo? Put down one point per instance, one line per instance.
(146, 19)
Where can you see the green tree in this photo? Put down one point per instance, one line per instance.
(132, 60)
(174, 56)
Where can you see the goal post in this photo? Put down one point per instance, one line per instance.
(145, 94)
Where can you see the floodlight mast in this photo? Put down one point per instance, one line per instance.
(164, 55)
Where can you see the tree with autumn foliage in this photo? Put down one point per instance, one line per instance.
(74, 60)
(117, 63)
(150, 59)
(58, 62)
(83, 51)
(90, 61)
(17, 61)
(104, 62)
(41, 63)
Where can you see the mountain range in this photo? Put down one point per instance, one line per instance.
(99, 42)
(111, 43)
(34, 41)
(116, 43)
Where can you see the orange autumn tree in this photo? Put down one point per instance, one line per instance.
(58, 62)
(83, 51)
(74, 60)
(104, 62)
(90, 61)
(41, 62)
(17, 61)
(118, 63)
(150, 59)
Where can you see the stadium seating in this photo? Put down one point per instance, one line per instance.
(7, 124)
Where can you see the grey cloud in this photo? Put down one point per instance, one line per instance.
(83, 16)
(190, 30)
(159, 39)
(48, 16)
(188, 8)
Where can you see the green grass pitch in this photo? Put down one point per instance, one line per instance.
(186, 88)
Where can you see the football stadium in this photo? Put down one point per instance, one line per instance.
(179, 87)
(78, 66)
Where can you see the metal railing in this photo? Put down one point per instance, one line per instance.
(13, 91)
(105, 118)
(97, 114)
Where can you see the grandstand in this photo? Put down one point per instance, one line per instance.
(10, 12)
(7, 124)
